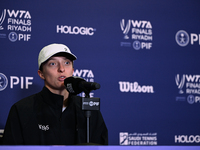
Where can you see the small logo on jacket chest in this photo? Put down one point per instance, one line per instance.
(43, 127)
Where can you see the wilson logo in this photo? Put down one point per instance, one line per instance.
(135, 87)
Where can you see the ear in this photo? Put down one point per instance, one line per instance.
(41, 74)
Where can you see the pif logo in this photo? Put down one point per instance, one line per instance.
(3, 81)
(13, 36)
(23, 82)
(182, 38)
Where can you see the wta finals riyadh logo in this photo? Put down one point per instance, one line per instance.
(125, 28)
(182, 38)
(3, 15)
(3, 81)
(180, 83)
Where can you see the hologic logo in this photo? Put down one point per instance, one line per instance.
(182, 38)
(75, 30)
(3, 81)
(135, 87)
(187, 139)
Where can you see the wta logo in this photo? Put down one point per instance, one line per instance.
(3, 15)
(138, 28)
(139, 31)
(191, 82)
(125, 28)
(189, 88)
(180, 83)
(18, 22)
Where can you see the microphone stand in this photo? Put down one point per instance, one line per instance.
(89, 104)
(87, 115)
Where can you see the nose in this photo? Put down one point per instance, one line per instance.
(61, 68)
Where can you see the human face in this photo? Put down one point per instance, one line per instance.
(55, 71)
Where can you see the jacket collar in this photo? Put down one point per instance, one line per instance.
(54, 100)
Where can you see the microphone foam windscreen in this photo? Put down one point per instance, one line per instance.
(72, 84)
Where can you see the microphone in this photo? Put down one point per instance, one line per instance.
(76, 85)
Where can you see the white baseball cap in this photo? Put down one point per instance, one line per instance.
(53, 49)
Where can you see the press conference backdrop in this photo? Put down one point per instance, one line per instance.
(144, 53)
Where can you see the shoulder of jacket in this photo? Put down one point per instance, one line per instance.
(27, 100)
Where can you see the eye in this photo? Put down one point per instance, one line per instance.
(67, 62)
(52, 64)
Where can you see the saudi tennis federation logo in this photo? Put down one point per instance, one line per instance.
(2, 18)
(3, 81)
(123, 138)
(182, 38)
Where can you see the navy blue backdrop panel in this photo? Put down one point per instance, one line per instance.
(145, 54)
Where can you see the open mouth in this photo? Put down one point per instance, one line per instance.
(62, 78)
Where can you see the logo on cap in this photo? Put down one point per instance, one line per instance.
(66, 49)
